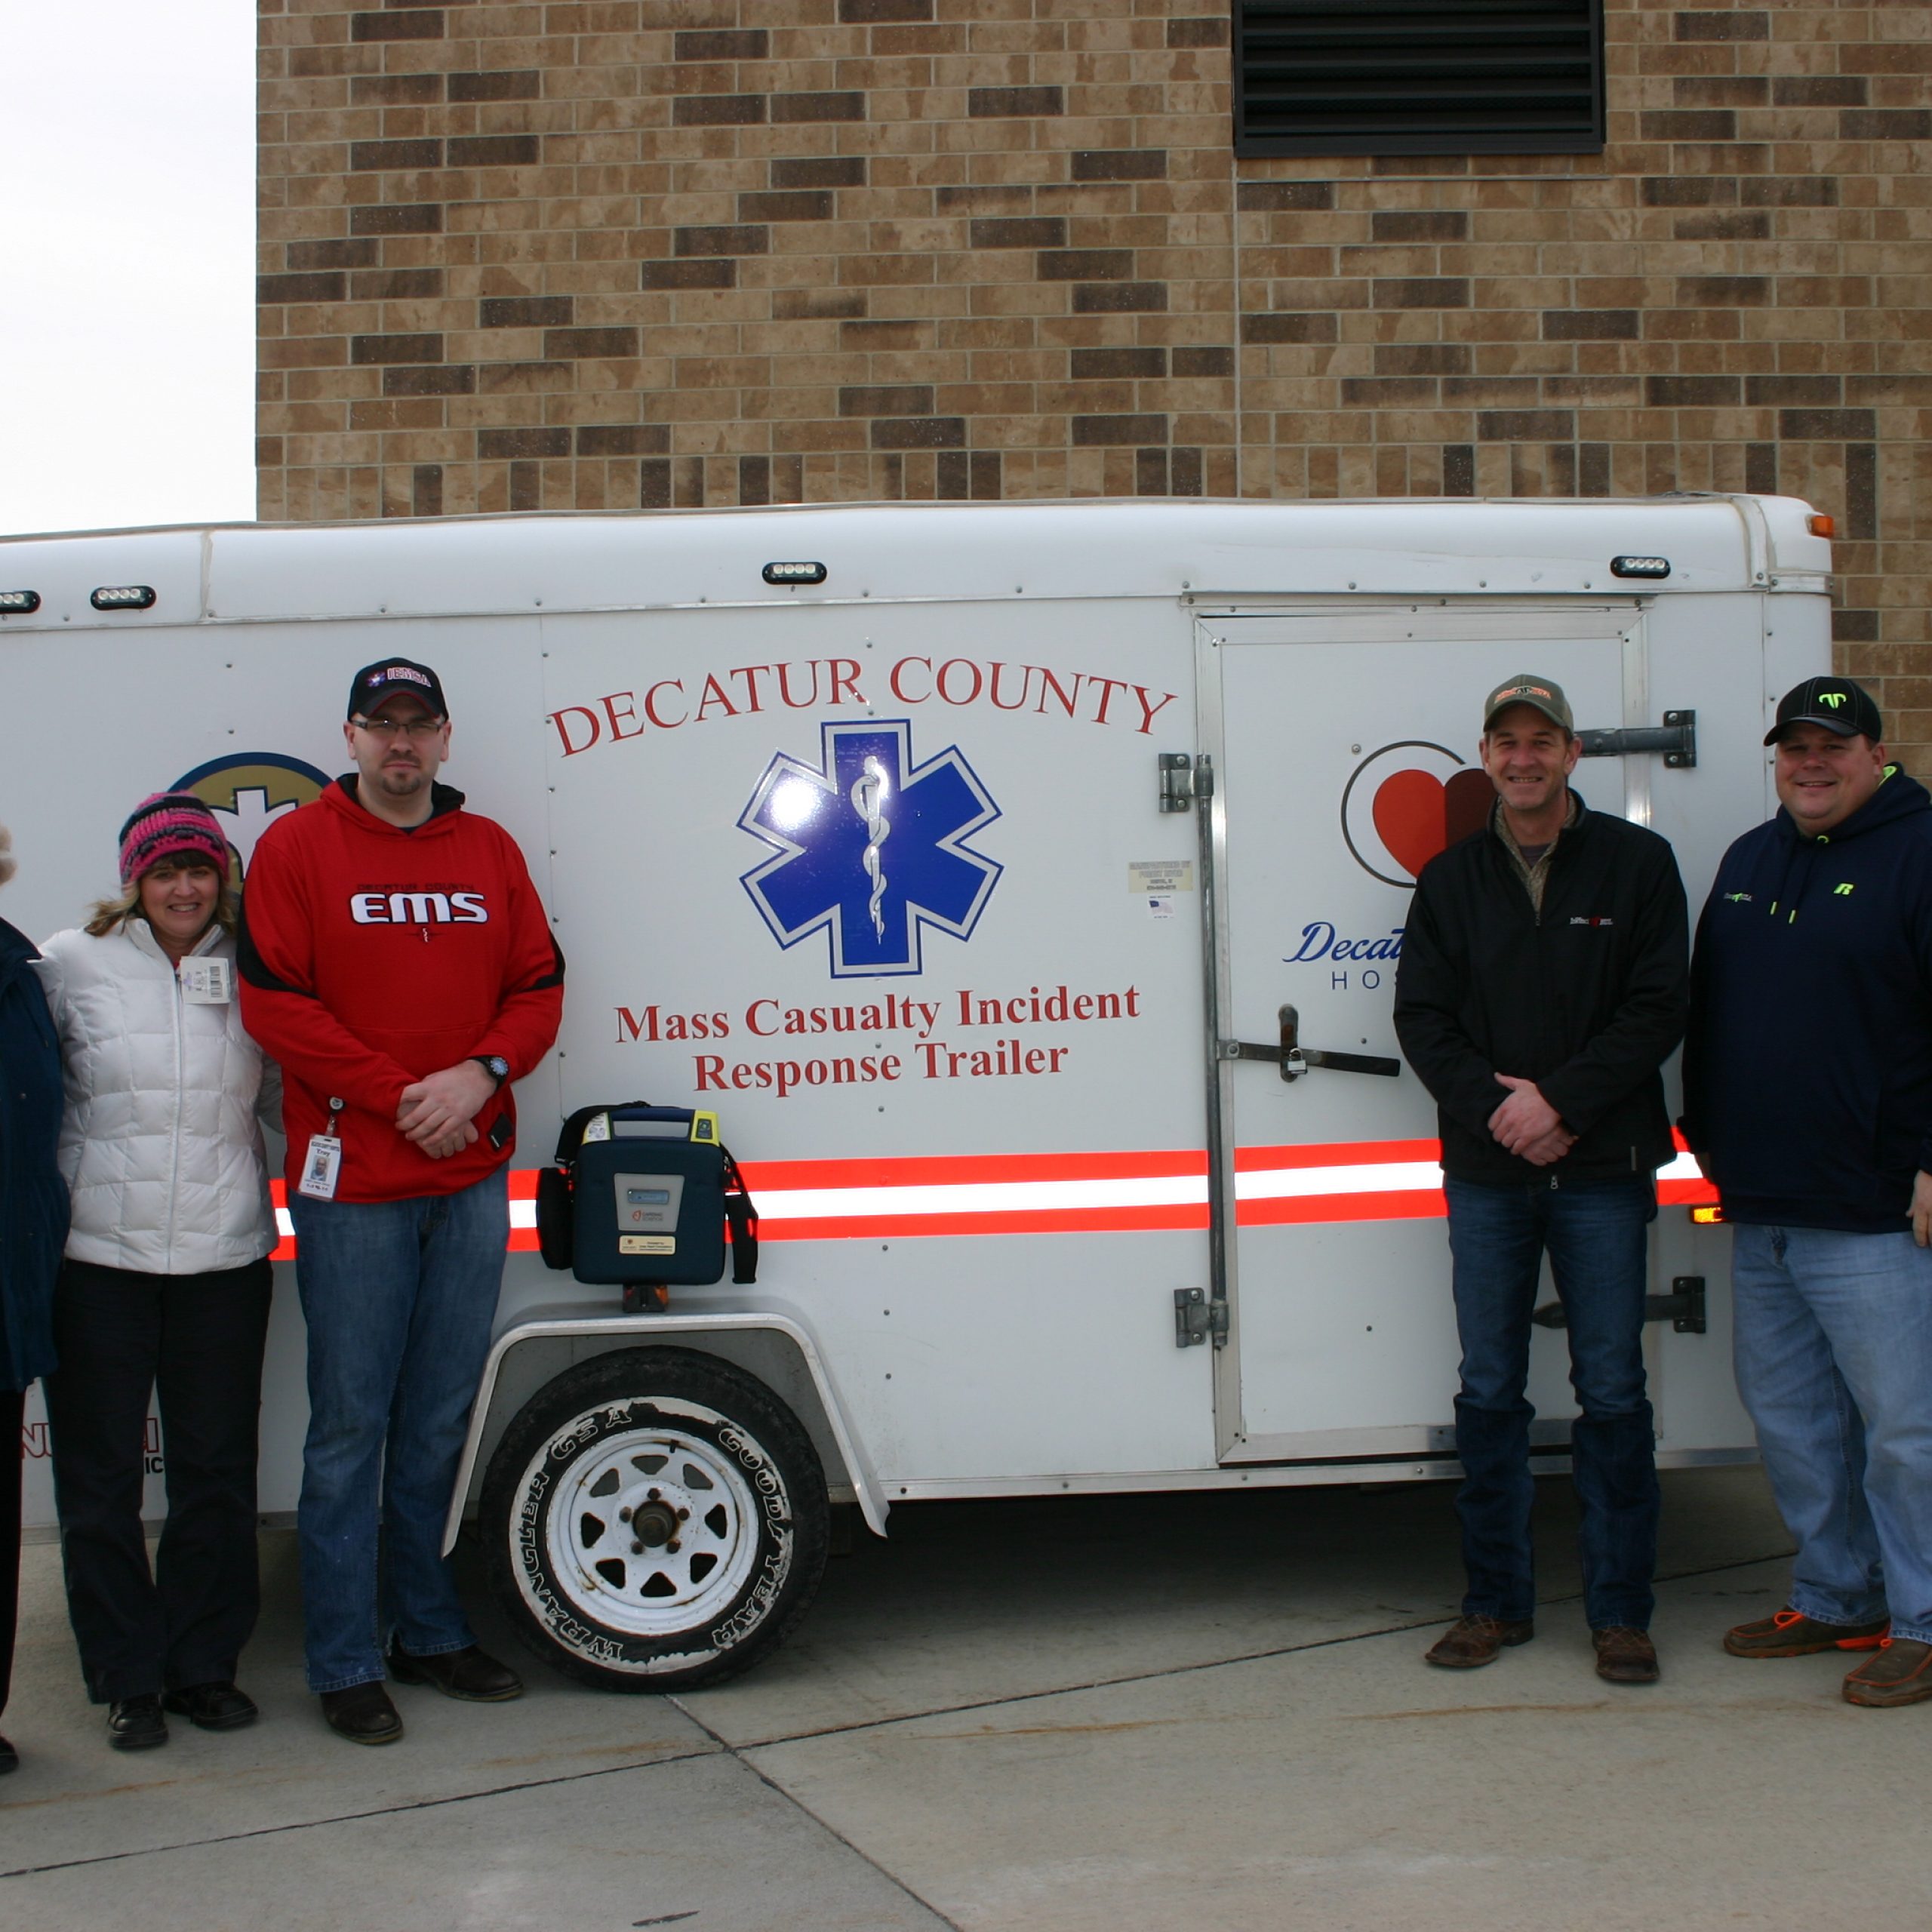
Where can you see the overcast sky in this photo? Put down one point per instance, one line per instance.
(127, 246)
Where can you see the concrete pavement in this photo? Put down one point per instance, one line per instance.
(1199, 1712)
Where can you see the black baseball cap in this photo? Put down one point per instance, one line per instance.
(1543, 695)
(388, 675)
(1837, 703)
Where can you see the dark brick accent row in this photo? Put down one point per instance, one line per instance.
(1118, 298)
(1198, 30)
(848, 106)
(843, 170)
(526, 312)
(1827, 425)
(1114, 365)
(591, 345)
(1592, 325)
(320, 286)
(493, 151)
(304, 256)
(1418, 292)
(381, 157)
(405, 23)
(499, 84)
(1119, 431)
(740, 238)
(728, 43)
(718, 272)
(1013, 103)
(1085, 264)
(1046, 231)
(1118, 164)
(426, 490)
(1419, 225)
(959, 475)
(884, 13)
(1278, 197)
(1202, 361)
(1288, 326)
(1421, 358)
(499, 444)
(919, 433)
(623, 438)
(887, 399)
(396, 285)
(364, 350)
(717, 110)
(787, 204)
(430, 379)
(1525, 426)
(1740, 26)
(1459, 469)
(396, 218)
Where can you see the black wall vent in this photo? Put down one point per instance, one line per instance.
(1419, 77)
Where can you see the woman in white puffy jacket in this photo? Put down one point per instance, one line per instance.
(166, 1283)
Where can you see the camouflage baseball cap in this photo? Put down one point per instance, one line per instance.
(1544, 694)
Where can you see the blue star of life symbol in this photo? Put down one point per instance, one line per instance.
(870, 847)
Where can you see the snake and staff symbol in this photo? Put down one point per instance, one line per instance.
(868, 790)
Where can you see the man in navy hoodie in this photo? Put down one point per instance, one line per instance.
(1808, 1098)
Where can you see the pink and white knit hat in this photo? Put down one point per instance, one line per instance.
(170, 825)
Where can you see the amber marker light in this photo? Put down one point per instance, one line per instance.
(1706, 1217)
(1821, 525)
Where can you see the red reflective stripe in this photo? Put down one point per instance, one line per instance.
(774, 1180)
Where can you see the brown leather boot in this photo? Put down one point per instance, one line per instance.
(1471, 1640)
(1625, 1654)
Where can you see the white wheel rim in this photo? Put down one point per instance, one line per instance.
(641, 1476)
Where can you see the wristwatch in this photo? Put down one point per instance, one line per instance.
(494, 1065)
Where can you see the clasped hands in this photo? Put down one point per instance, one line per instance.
(436, 1111)
(1527, 1126)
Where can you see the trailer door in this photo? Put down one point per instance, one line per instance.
(1344, 754)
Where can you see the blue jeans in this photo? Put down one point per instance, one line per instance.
(1596, 1240)
(1833, 1345)
(399, 1296)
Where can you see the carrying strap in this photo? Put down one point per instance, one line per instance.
(571, 1139)
(741, 1215)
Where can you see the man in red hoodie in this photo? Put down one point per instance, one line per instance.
(395, 960)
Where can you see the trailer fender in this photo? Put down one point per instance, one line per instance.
(774, 1348)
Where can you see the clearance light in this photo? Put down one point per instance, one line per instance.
(123, 597)
(1820, 525)
(1640, 567)
(19, 603)
(799, 573)
(1706, 1217)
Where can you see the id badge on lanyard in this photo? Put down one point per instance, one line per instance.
(322, 1166)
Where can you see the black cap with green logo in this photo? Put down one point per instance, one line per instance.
(1837, 703)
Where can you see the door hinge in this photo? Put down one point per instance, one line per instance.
(1198, 1320)
(1184, 782)
(1683, 1307)
(1676, 738)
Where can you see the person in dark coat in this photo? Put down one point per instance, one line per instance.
(1544, 980)
(33, 1230)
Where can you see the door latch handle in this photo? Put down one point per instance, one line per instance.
(1294, 1059)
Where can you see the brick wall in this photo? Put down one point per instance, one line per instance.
(682, 252)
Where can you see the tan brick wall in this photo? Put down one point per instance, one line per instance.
(665, 252)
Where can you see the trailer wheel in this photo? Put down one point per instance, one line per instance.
(654, 1519)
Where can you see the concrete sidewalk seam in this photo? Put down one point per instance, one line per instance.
(798, 1804)
(1156, 1676)
(362, 1817)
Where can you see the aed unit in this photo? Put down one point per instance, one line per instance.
(641, 1194)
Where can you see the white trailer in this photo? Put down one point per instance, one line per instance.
(1022, 886)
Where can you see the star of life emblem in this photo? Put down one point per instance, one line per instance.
(870, 848)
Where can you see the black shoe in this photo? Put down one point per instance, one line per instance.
(10, 1758)
(472, 1675)
(363, 1714)
(213, 1706)
(136, 1724)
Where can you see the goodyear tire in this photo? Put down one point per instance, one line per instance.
(654, 1519)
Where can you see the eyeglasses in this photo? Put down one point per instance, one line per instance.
(423, 728)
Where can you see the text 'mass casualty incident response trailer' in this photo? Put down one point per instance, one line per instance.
(1021, 886)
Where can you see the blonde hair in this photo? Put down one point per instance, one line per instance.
(110, 916)
(6, 855)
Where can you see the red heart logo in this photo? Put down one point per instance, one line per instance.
(1416, 814)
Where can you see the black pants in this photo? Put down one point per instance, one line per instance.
(12, 1404)
(197, 1340)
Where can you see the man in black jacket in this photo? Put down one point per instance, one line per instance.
(1807, 1090)
(1543, 982)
